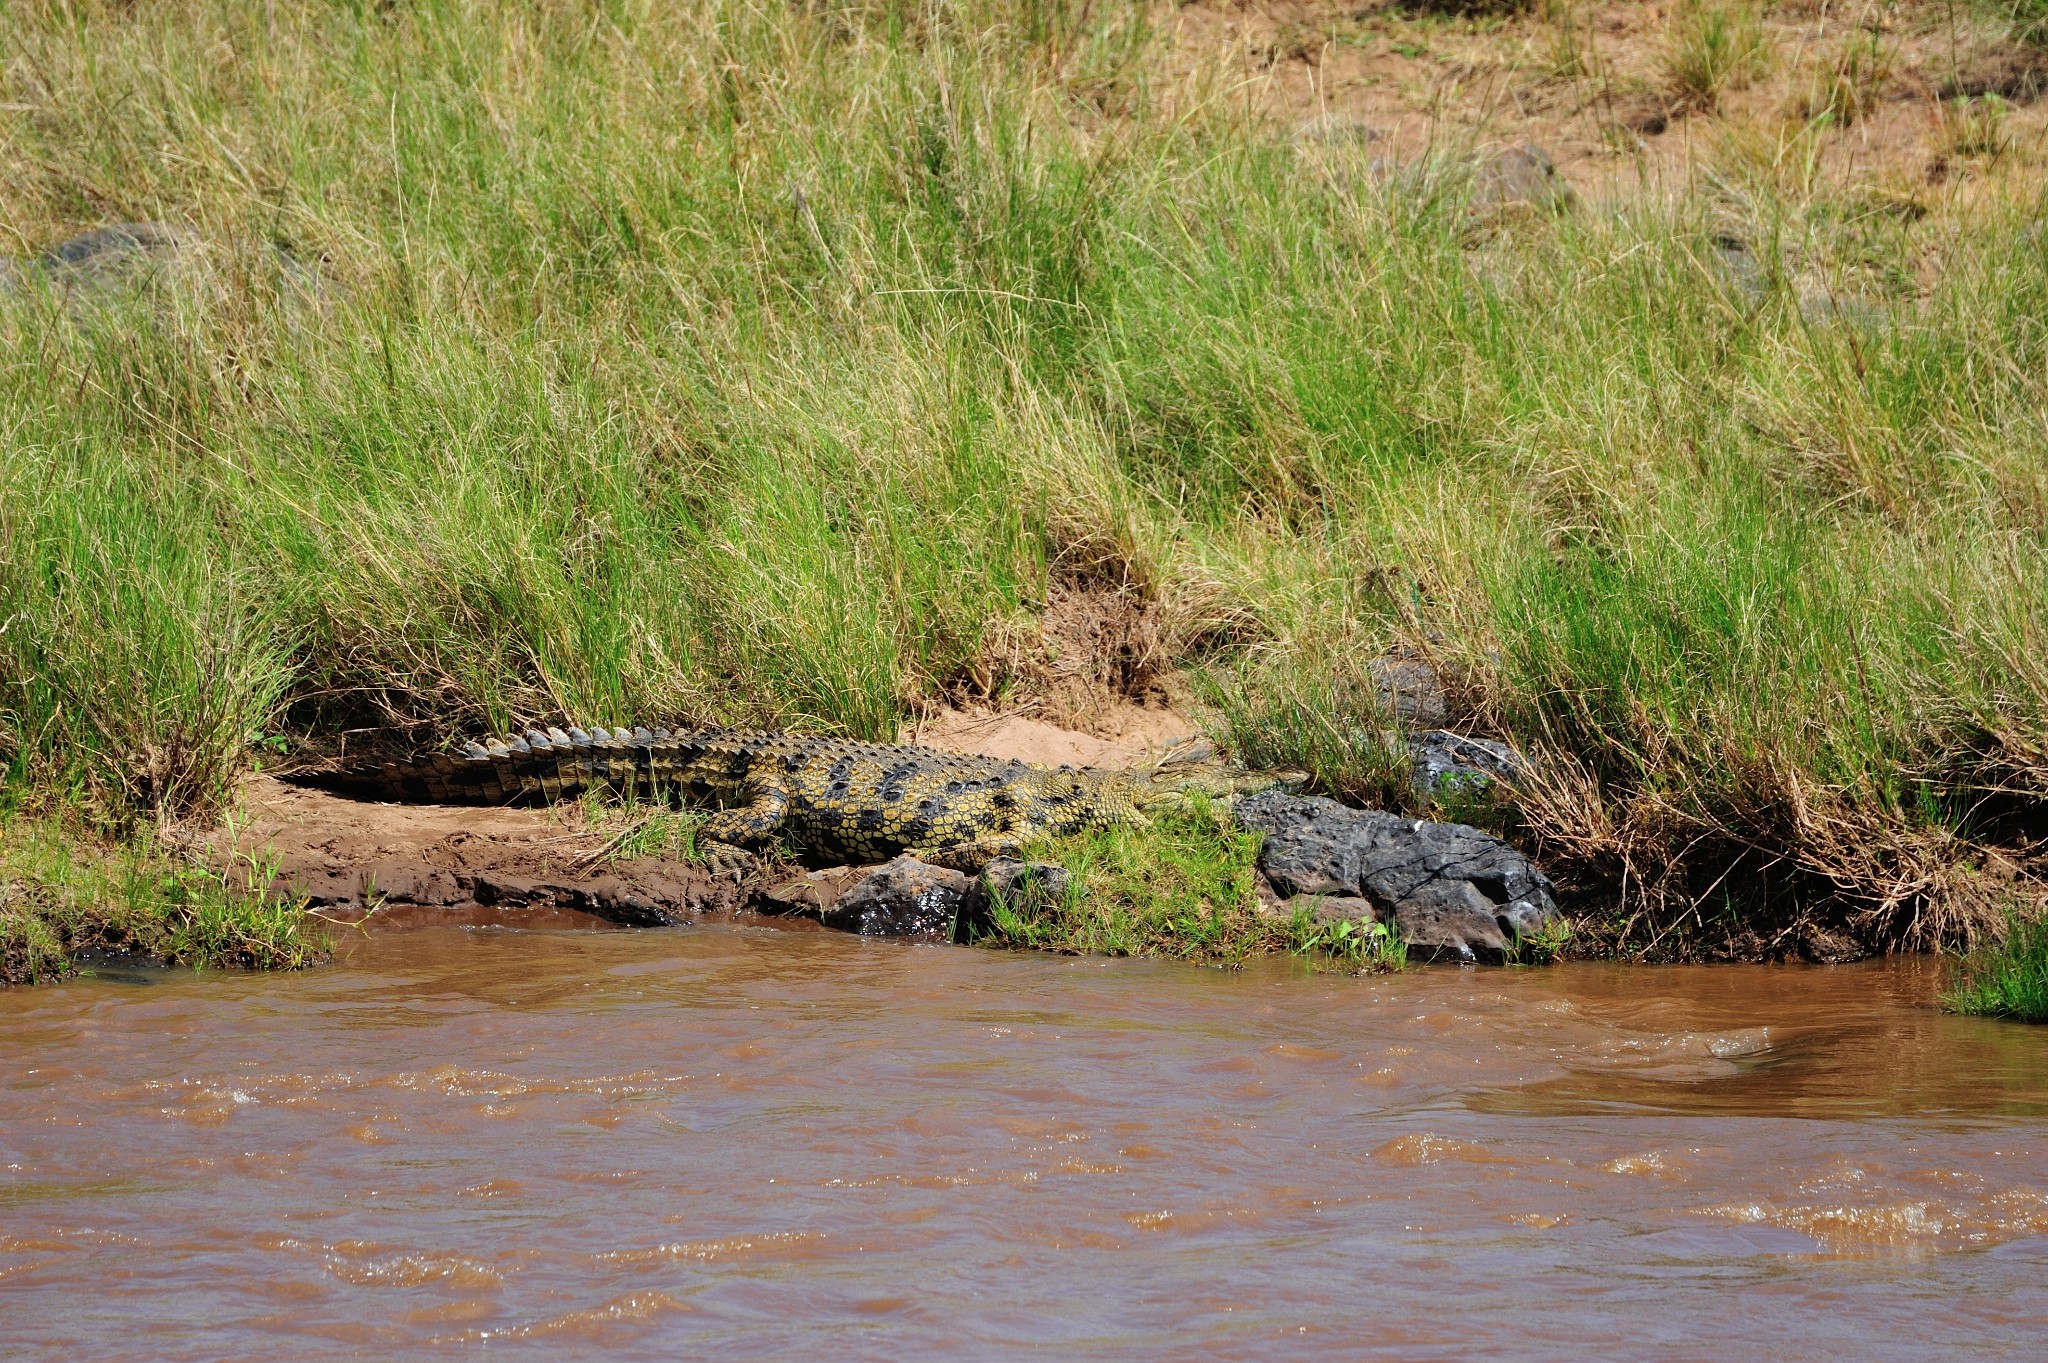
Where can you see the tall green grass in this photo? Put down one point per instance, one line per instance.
(2005, 979)
(777, 364)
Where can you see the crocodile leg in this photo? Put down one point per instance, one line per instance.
(724, 836)
(971, 857)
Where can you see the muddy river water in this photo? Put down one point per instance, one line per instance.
(733, 1142)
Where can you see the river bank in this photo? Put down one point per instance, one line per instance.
(826, 368)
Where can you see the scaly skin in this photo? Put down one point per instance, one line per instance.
(858, 802)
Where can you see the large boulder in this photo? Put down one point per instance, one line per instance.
(1449, 888)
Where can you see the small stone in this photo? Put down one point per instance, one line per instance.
(1521, 176)
(1338, 128)
(1451, 765)
(1740, 267)
(1024, 884)
(903, 898)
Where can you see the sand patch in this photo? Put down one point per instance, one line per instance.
(1126, 734)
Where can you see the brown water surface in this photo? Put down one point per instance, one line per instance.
(732, 1142)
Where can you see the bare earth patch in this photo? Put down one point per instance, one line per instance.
(417, 864)
(1591, 82)
(1126, 734)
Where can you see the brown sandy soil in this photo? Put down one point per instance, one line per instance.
(1125, 734)
(535, 867)
(1592, 84)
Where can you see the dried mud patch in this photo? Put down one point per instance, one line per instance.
(1091, 655)
(419, 864)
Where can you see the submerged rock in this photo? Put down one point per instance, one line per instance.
(1448, 887)
(903, 898)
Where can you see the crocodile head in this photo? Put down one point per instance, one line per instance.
(1172, 785)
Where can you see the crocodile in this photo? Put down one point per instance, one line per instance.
(835, 797)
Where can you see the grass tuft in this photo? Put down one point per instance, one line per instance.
(1840, 89)
(1974, 127)
(1184, 887)
(1713, 48)
(2006, 979)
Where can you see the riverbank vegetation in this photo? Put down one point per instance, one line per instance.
(66, 895)
(1185, 888)
(815, 365)
(2007, 978)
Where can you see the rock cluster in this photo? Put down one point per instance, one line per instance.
(1448, 889)
(1449, 765)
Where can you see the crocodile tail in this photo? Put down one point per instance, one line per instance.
(551, 764)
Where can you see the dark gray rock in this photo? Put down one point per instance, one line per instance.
(903, 898)
(122, 252)
(1448, 887)
(1409, 689)
(1449, 765)
(126, 258)
(1023, 884)
(1328, 909)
